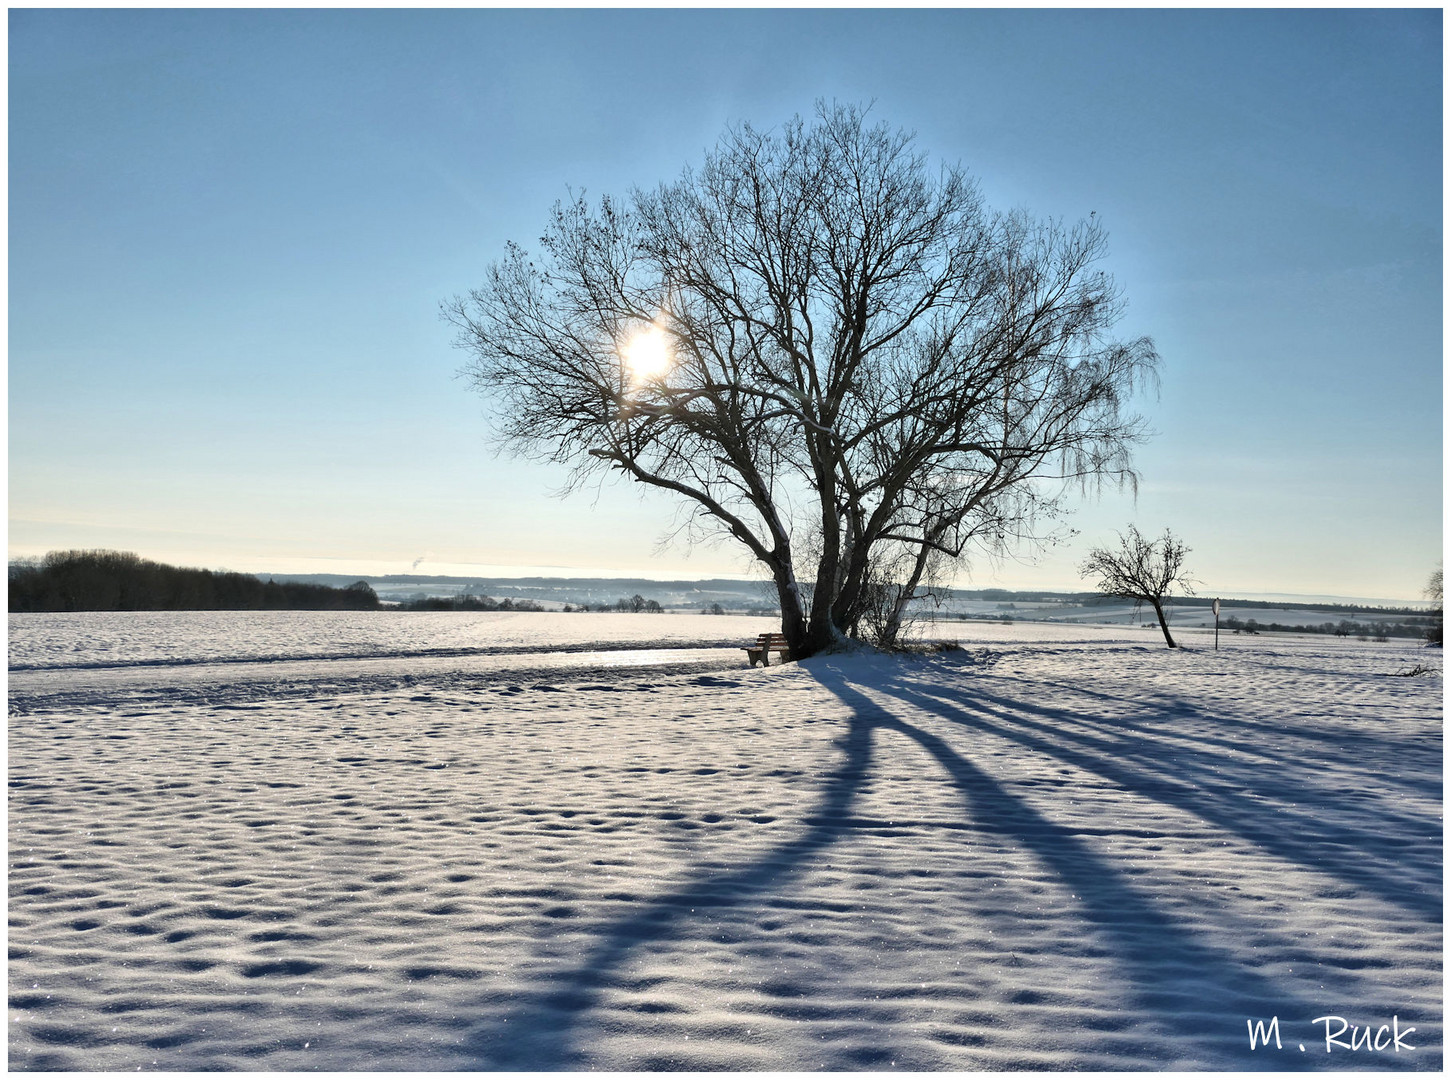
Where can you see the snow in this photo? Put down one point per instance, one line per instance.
(1062, 847)
(105, 638)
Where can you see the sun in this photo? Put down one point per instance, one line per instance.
(647, 355)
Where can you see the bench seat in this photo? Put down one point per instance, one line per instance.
(765, 645)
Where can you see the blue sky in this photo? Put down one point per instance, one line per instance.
(230, 232)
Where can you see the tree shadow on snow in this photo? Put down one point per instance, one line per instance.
(539, 1033)
(1365, 751)
(1299, 825)
(1179, 981)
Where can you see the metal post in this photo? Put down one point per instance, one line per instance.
(1216, 624)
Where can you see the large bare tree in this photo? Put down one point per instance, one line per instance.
(1142, 570)
(824, 346)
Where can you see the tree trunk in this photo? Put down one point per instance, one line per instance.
(793, 617)
(835, 610)
(848, 604)
(1163, 622)
(823, 633)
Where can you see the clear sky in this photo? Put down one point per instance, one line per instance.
(230, 232)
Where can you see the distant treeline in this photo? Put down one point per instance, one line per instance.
(1088, 599)
(122, 581)
(1428, 627)
(1380, 631)
(634, 604)
(1297, 605)
(469, 602)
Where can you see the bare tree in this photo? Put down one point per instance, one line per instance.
(1434, 633)
(821, 345)
(1141, 570)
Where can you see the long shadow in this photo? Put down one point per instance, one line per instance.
(545, 1028)
(1365, 753)
(1174, 975)
(1345, 851)
(541, 1032)
(1348, 745)
(1146, 741)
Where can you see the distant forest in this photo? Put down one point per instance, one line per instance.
(122, 581)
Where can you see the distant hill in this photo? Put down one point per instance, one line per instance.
(753, 595)
(556, 592)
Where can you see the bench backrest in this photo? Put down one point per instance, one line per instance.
(767, 640)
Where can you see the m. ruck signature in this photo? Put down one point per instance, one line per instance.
(1388, 1038)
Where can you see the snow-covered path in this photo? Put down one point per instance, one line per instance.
(1068, 853)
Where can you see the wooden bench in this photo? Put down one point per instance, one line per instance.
(765, 645)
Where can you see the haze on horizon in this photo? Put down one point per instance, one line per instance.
(230, 232)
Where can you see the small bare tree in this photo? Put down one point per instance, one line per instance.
(822, 346)
(1434, 632)
(1141, 570)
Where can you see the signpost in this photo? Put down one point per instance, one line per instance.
(1216, 624)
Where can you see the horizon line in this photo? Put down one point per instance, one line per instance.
(425, 567)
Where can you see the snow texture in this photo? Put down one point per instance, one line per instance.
(1064, 847)
(112, 638)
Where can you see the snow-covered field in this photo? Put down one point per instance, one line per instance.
(422, 841)
(107, 638)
